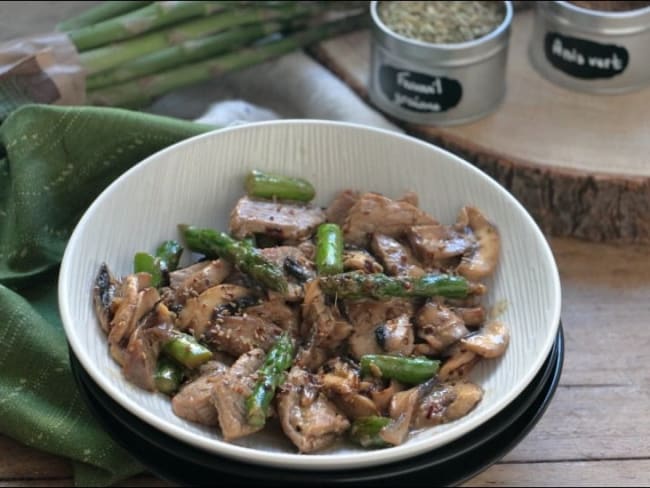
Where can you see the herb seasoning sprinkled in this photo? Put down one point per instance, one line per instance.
(440, 22)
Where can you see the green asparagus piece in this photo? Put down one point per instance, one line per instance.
(169, 253)
(108, 57)
(144, 262)
(404, 369)
(356, 284)
(329, 249)
(187, 351)
(104, 11)
(168, 376)
(271, 375)
(146, 19)
(186, 52)
(143, 91)
(365, 431)
(269, 185)
(247, 258)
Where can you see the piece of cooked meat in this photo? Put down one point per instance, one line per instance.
(194, 400)
(296, 267)
(374, 213)
(136, 299)
(446, 402)
(439, 326)
(340, 381)
(230, 392)
(141, 354)
(410, 197)
(237, 335)
(286, 221)
(398, 260)
(338, 209)
(366, 316)
(322, 323)
(307, 417)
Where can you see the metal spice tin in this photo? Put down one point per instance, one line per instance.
(438, 84)
(591, 51)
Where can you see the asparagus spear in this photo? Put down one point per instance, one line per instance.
(146, 19)
(356, 284)
(269, 185)
(329, 249)
(187, 351)
(107, 57)
(141, 92)
(168, 376)
(271, 375)
(365, 431)
(186, 52)
(405, 369)
(248, 259)
(143, 262)
(169, 253)
(106, 10)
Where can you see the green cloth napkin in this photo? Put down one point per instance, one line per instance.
(56, 161)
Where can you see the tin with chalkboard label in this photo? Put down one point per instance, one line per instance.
(595, 47)
(439, 75)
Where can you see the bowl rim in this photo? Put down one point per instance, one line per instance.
(295, 460)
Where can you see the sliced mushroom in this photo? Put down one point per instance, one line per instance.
(439, 326)
(490, 341)
(396, 336)
(199, 311)
(445, 403)
(190, 282)
(340, 381)
(481, 260)
(459, 364)
(358, 260)
(472, 316)
(103, 294)
(397, 258)
(382, 397)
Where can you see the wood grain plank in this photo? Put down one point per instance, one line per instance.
(586, 473)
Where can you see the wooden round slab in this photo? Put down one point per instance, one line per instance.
(579, 163)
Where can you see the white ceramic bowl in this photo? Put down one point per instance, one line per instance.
(198, 181)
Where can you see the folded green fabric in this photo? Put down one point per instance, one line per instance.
(56, 162)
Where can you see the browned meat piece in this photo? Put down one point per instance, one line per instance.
(395, 336)
(439, 326)
(481, 260)
(230, 392)
(435, 243)
(358, 260)
(194, 400)
(340, 382)
(136, 299)
(410, 197)
(199, 312)
(366, 316)
(277, 312)
(193, 280)
(141, 355)
(340, 206)
(285, 221)
(446, 402)
(322, 329)
(398, 260)
(103, 294)
(308, 418)
(237, 335)
(374, 213)
(491, 341)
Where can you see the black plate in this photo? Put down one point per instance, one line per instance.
(452, 464)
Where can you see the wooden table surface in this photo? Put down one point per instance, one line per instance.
(597, 429)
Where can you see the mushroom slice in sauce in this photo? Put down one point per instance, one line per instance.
(481, 261)
(103, 294)
(490, 341)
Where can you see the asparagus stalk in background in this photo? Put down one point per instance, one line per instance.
(146, 19)
(107, 57)
(187, 52)
(104, 11)
(365, 431)
(141, 92)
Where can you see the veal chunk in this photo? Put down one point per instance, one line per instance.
(285, 221)
(308, 418)
(374, 213)
(230, 392)
(398, 259)
(338, 209)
